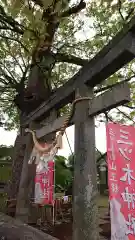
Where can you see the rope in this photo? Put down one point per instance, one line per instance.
(57, 143)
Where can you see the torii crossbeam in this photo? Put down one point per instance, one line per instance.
(111, 58)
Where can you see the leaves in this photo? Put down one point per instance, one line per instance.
(22, 26)
(5, 152)
(47, 3)
(16, 7)
(63, 175)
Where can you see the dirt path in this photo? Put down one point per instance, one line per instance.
(63, 231)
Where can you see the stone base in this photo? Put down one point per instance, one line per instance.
(13, 229)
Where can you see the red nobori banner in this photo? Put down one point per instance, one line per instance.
(121, 180)
(44, 183)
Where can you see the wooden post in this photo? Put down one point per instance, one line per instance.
(85, 210)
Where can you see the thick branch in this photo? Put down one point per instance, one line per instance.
(61, 57)
(24, 75)
(20, 86)
(74, 10)
(119, 8)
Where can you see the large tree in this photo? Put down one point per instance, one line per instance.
(41, 42)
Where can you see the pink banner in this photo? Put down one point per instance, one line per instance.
(44, 183)
(121, 180)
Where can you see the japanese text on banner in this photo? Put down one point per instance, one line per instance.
(44, 183)
(121, 180)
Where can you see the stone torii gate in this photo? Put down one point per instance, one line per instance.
(115, 55)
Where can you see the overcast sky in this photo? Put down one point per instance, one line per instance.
(100, 140)
(8, 138)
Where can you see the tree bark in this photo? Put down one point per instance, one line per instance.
(17, 163)
(22, 207)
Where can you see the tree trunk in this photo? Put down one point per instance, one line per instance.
(38, 90)
(17, 162)
(23, 203)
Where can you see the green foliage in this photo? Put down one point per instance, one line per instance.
(5, 173)
(83, 34)
(71, 163)
(5, 152)
(5, 169)
(63, 175)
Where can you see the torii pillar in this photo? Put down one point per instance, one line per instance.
(85, 209)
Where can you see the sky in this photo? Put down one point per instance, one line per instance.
(100, 134)
(8, 138)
